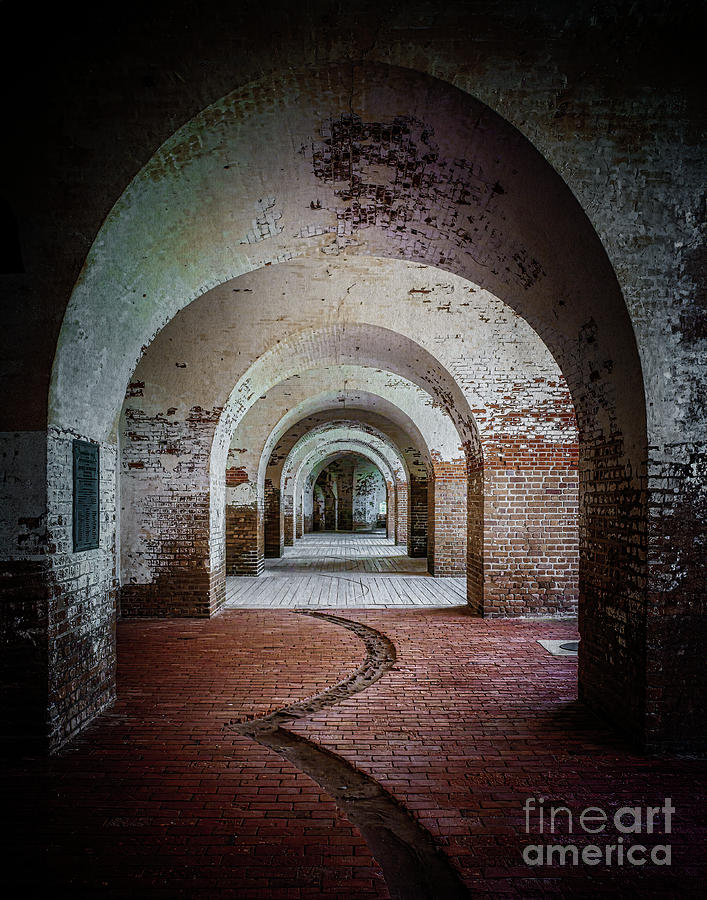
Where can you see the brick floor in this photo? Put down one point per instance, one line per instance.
(157, 799)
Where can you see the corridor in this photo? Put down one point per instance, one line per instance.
(339, 569)
(277, 275)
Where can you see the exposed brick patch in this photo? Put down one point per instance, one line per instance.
(288, 538)
(174, 565)
(401, 512)
(244, 540)
(475, 535)
(181, 590)
(447, 519)
(273, 532)
(299, 520)
(417, 510)
(390, 507)
(236, 475)
(404, 149)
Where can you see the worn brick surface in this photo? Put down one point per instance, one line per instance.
(82, 599)
(552, 156)
(446, 509)
(157, 799)
(474, 718)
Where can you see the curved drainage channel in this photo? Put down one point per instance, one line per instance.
(414, 868)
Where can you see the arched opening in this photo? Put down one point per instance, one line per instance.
(481, 204)
(312, 452)
(352, 491)
(335, 166)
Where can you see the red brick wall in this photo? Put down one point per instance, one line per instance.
(401, 513)
(244, 540)
(236, 475)
(531, 537)
(447, 519)
(417, 528)
(273, 533)
(165, 488)
(287, 520)
(299, 519)
(181, 585)
(475, 534)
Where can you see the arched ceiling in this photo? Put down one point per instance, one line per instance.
(337, 436)
(348, 343)
(415, 456)
(462, 347)
(284, 169)
(313, 470)
(367, 392)
(310, 398)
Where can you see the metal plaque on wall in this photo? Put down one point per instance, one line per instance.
(86, 499)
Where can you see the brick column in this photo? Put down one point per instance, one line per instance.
(299, 519)
(417, 533)
(531, 538)
(273, 531)
(244, 544)
(171, 563)
(475, 535)
(676, 622)
(447, 521)
(287, 523)
(244, 531)
(390, 511)
(401, 513)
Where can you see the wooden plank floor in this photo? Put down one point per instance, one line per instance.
(335, 571)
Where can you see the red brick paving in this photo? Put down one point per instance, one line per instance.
(157, 799)
(475, 718)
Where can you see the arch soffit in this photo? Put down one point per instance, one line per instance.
(313, 397)
(311, 468)
(309, 452)
(411, 447)
(412, 409)
(347, 343)
(544, 258)
(329, 433)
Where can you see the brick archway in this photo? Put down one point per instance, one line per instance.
(528, 241)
